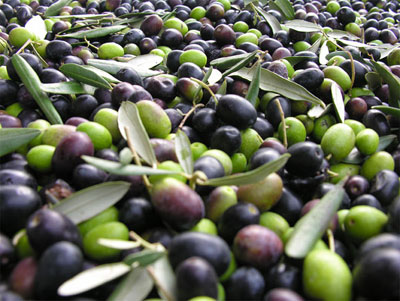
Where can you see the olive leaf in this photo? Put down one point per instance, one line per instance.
(134, 287)
(355, 157)
(270, 19)
(303, 26)
(146, 61)
(394, 84)
(12, 138)
(311, 226)
(284, 7)
(222, 88)
(144, 258)
(95, 33)
(340, 34)
(214, 77)
(225, 63)
(113, 67)
(55, 8)
(207, 75)
(338, 102)
(103, 15)
(107, 76)
(385, 141)
(164, 278)
(121, 169)
(252, 176)
(315, 46)
(293, 60)
(241, 64)
(71, 87)
(323, 52)
(183, 151)
(374, 80)
(37, 26)
(128, 118)
(92, 278)
(388, 110)
(355, 56)
(254, 88)
(32, 83)
(86, 203)
(387, 49)
(272, 82)
(118, 244)
(84, 75)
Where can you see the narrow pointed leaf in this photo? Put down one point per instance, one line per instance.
(121, 169)
(241, 64)
(272, 82)
(37, 26)
(225, 63)
(164, 278)
(146, 61)
(95, 33)
(315, 46)
(324, 51)
(338, 101)
(388, 110)
(71, 87)
(215, 76)
(387, 50)
(254, 88)
(252, 176)
(118, 243)
(270, 19)
(394, 84)
(32, 83)
(285, 7)
(318, 111)
(303, 26)
(355, 157)
(374, 80)
(55, 8)
(12, 138)
(113, 67)
(92, 278)
(86, 203)
(340, 34)
(103, 15)
(144, 258)
(385, 141)
(107, 76)
(134, 287)
(222, 88)
(128, 117)
(293, 60)
(84, 75)
(184, 152)
(312, 226)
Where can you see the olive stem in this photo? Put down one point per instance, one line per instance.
(90, 44)
(137, 159)
(44, 63)
(331, 173)
(205, 86)
(24, 46)
(285, 142)
(331, 240)
(167, 295)
(188, 114)
(143, 242)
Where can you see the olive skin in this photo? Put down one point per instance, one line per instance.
(288, 206)
(384, 240)
(306, 159)
(236, 111)
(17, 203)
(17, 177)
(226, 138)
(46, 227)
(196, 277)
(394, 216)
(385, 186)
(209, 247)
(59, 263)
(246, 283)
(310, 78)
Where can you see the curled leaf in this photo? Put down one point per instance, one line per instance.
(183, 151)
(338, 101)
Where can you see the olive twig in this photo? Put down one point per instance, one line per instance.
(142, 241)
(205, 86)
(188, 114)
(285, 142)
(331, 240)
(152, 274)
(44, 63)
(24, 46)
(90, 44)
(136, 158)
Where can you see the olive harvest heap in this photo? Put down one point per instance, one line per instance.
(199, 150)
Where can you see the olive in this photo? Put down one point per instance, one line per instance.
(246, 283)
(17, 177)
(226, 138)
(306, 159)
(385, 186)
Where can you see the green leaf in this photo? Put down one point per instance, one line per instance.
(121, 169)
(355, 157)
(113, 67)
(164, 278)
(293, 60)
(272, 82)
(103, 15)
(86, 203)
(144, 258)
(215, 76)
(387, 49)
(312, 226)
(374, 80)
(55, 8)
(145, 61)
(207, 75)
(338, 102)
(285, 7)
(270, 19)
(183, 151)
(388, 110)
(95, 33)
(315, 46)
(32, 83)
(71, 87)
(252, 176)
(84, 75)
(254, 88)
(92, 278)
(37, 26)
(340, 34)
(318, 111)
(128, 117)
(394, 84)
(241, 64)
(225, 63)
(222, 89)
(324, 51)
(302, 26)
(118, 244)
(12, 138)
(385, 141)
(134, 287)
(107, 76)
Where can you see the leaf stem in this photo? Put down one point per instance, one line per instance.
(188, 114)
(285, 142)
(205, 86)
(137, 159)
(331, 240)
(133, 235)
(24, 46)
(152, 274)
